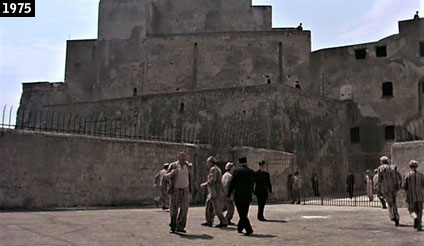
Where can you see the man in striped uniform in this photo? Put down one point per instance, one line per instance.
(414, 185)
(389, 181)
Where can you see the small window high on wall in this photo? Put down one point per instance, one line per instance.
(422, 49)
(387, 89)
(354, 135)
(360, 54)
(389, 132)
(381, 51)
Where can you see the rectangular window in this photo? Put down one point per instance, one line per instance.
(354, 135)
(387, 89)
(389, 132)
(381, 51)
(422, 49)
(360, 54)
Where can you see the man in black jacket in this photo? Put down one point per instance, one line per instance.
(262, 189)
(242, 185)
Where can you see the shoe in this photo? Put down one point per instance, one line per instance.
(172, 230)
(396, 222)
(384, 207)
(416, 222)
(206, 224)
(231, 223)
(181, 230)
(298, 202)
(248, 233)
(239, 231)
(220, 225)
(419, 228)
(261, 219)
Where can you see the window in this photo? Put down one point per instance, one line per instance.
(387, 89)
(182, 106)
(135, 92)
(360, 54)
(422, 49)
(354, 134)
(389, 132)
(380, 51)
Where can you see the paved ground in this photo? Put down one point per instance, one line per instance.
(291, 225)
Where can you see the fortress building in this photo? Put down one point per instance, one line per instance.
(218, 71)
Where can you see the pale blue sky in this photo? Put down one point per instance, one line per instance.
(33, 49)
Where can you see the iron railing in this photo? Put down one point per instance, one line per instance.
(129, 128)
(358, 200)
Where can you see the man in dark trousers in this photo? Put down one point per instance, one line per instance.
(262, 189)
(242, 184)
(350, 183)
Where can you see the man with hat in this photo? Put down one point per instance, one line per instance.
(163, 187)
(242, 184)
(389, 181)
(228, 203)
(413, 184)
(262, 188)
(215, 193)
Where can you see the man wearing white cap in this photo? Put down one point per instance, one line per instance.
(389, 182)
(413, 184)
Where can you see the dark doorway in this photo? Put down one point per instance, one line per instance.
(421, 97)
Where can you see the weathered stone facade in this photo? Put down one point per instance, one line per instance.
(219, 67)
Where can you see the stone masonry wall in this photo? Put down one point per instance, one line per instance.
(41, 170)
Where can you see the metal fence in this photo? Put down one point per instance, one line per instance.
(128, 128)
(359, 200)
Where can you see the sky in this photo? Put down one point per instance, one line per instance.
(33, 49)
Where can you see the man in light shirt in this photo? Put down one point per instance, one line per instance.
(179, 176)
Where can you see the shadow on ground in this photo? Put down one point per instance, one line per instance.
(194, 237)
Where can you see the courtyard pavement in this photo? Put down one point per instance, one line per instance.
(288, 225)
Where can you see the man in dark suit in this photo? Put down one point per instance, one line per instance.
(242, 184)
(262, 189)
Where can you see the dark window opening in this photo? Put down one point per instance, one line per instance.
(354, 135)
(381, 51)
(182, 108)
(195, 44)
(387, 89)
(360, 54)
(422, 49)
(422, 86)
(178, 89)
(135, 92)
(389, 132)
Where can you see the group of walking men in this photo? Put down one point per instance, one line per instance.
(237, 185)
(387, 181)
(234, 187)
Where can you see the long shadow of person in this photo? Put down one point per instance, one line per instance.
(262, 235)
(194, 237)
(275, 221)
